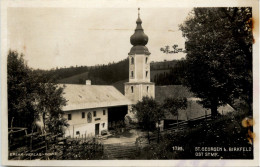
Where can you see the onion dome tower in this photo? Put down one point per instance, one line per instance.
(139, 84)
(139, 39)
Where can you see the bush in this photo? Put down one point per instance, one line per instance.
(226, 131)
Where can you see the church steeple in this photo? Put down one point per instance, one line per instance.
(139, 39)
(139, 84)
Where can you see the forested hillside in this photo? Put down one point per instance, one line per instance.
(162, 73)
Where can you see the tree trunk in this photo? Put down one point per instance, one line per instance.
(43, 120)
(214, 110)
(148, 137)
(250, 109)
(158, 134)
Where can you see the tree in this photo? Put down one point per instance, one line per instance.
(21, 88)
(219, 55)
(31, 96)
(173, 105)
(49, 103)
(148, 113)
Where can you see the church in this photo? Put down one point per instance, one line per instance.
(94, 109)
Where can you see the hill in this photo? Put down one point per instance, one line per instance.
(162, 73)
(75, 79)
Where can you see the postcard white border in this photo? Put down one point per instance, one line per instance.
(127, 4)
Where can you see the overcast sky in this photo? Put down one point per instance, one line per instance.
(59, 37)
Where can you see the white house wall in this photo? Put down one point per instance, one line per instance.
(77, 123)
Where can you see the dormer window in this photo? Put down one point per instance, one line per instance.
(132, 60)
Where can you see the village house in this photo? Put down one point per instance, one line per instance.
(92, 109)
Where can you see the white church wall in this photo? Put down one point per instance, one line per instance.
(139, 91)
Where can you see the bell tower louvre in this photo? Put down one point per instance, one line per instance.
(139, 84)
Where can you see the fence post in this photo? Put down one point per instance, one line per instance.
(73, 131)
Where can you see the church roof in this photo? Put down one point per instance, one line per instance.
(92, 96)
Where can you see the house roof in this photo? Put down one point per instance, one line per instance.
(174, 91)
(195, 110)
(92, 96)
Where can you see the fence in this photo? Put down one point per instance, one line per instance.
(180, 126)
(48, 146)
(188, 124)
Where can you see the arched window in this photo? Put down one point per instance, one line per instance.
(146, 60)
(132, 60)
(147, 88)
(89, 117)
(132, 89)
(146, 74)
(132, 74)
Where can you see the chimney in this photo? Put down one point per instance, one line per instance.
(88, 82)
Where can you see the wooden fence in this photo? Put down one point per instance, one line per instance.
(182, 125)
(47, 146)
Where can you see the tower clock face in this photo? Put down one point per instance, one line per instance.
(89, 117)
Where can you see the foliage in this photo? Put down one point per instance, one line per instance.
(49, 102)
(111, 73)
(225, 132)
(148, 113)
(64, 72)
(174, 104)
(219, 55)
(174, 77)
(98, 74)
(21, 87)
(31, 96)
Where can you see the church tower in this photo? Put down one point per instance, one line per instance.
(139, 84)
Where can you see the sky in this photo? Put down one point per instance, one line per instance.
(64, 37)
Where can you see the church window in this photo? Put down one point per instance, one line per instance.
(69, 117)
(132, 74)
(132, 60)
(147, 88)
(146, 60)
(132, 89)
(146, 73)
